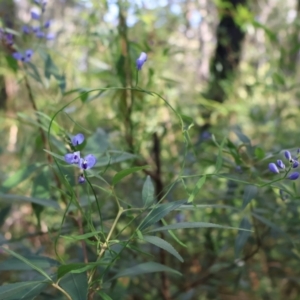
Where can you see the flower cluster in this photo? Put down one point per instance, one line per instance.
(39, 28)
(293, 164)
(74, 158)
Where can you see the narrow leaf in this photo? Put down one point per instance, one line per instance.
(249, 193)
(22, 290)
(148, 192)
(120, 175)
(219, 161)
(26, 261)
(242, 236)
(197, 188)
(76, 285)
(159, 212)
(144, 268)
(157, 241)
(185, 225)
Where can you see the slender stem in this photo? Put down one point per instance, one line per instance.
(62, 290)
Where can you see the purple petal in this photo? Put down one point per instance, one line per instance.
(141, 60)
(294, 176)
(40, 34)
(88, 162)
(50, 36)
(81, 179)
(47, 24)
(91, 160)
(26, 29)
(35, 28)
(273, 168)
(69, 158)
(295, 164)
(72, 158)
(18, 56)
(287, 155)
(280, 164)
(35, 16)
(28, 55)
(77, 139)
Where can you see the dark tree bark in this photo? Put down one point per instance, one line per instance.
(228, 51)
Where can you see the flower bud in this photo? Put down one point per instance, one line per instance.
(280, 164)
(273, 168)
(294, 176)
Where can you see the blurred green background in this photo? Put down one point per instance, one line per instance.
(230, 68)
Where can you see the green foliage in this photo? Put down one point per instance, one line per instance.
(180, 203)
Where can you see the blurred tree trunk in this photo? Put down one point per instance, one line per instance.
(7, 16)
(228, 50)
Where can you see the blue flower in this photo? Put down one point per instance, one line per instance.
(288, 155)
(72, 158)
(141, 60)
(23, 57)
(88, 162)
(273, 168)
(40, 34)
(26, 29)
(280, 164)
(50, 36)
(294, 176)
(77, 139)
(81, 179)
(35, 15)
(47, 24)
(295, 164)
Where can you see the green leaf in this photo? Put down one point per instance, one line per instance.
(81, 236)
(14, 263)
(157, 241)
(60, 157)
(33, 72)
(19, 176)
(185, 225)
(22, 290)
(219, 161)
(197, 188)
(17, 198)
(26, 261)
(76, 285)
(76, 268)
(104, 296)
(242, 236)
(144, 268)
(259, 153)
(249, 193)
(243, 138)
(159, 212)
(148, 192)
(120, 175)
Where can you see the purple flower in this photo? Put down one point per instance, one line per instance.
(72, 158)
(35, 15)
(40, 34)
(179, 217)
(141, 60)
(50, 36)
(295, 164)
(77, 139)
(280, 164)
(88, 162)
(81, 179)
(294, 176)
(9, 38)
(26, 29)
(288, 155)
(273, 168)
(36, 28)
(47, 24)
(23, 57)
